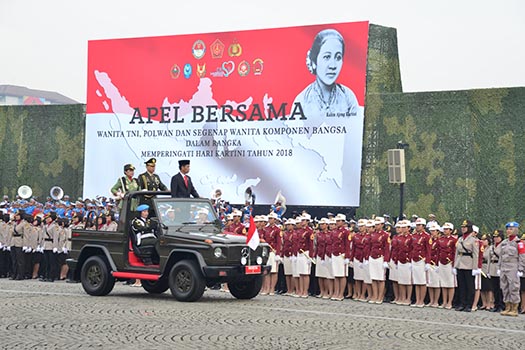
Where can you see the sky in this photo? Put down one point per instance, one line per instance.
(443, 45)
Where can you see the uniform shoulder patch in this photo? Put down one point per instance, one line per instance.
(312, 237)
(482, 248)
(521, 247)
(430, 241)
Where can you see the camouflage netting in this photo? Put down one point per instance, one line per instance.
(465, 158)
(42, 146)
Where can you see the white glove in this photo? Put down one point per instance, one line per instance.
(360, 265)
(351, 263)
(347, 261)
(427, 267)
(42, 250)
(520, 274)
(64, 249)
(498, 272)
(1, 245)
(365, 263)
(8, 249)
(436, 270)
(476, 272)
(454, 271)
(55, 250)
(24, 248)
(385, 265)
(277, 258)
(38, 248)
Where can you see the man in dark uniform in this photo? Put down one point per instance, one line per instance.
(150, 181)
(181, 185)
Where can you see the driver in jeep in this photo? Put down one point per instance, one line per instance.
(143, 237)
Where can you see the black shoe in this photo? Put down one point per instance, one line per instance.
(467, 309)
(460, 308)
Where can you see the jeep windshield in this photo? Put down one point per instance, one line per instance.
(181, 212)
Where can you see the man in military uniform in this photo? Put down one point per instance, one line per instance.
(511, 268)
(150, 181)
(466, 263)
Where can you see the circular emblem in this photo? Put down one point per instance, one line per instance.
(257, 66)
(243, 69)
(198, 49)
(175, 71)
(235, 49)
(187, 70)
(244, 252)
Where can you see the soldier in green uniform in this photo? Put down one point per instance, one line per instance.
(125, 184)
(150, 181)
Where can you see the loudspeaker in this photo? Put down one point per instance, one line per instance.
(396, 166)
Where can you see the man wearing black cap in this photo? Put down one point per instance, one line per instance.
(181, 185)
(150, 181)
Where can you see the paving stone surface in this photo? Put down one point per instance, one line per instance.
(40, 315)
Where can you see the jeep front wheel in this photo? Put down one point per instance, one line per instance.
(186, 281)
(155, 287)
(96, 277)
(246, 288)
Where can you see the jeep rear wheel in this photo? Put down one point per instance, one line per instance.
(155, 287)
(186, 281)
(246, 288)
(96, 277)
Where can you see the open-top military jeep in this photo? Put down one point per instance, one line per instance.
(191, 252)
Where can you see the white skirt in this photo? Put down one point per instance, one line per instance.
(419, 276)
(366, 269)
(329, 269)
(433, 278)
(303, 263)
(359, 273)
(295, 273)
(404, 274)
(446, 277)
(338, 266)
(287, 264)
(271, 262)
(320, 268)
(477, 282)
(392, 272)
(377, 271)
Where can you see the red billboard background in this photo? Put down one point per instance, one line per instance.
(141, 67)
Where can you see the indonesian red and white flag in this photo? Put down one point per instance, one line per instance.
(253, 235)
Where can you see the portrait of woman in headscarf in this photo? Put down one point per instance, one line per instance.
(325, 97)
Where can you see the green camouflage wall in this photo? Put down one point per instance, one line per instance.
(42, 146)
(465, 160)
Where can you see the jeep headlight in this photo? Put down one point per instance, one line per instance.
(217, 252)
(259, 260)
(265, 251)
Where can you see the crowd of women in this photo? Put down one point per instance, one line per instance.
(406, 265)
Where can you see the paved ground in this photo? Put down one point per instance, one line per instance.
(62, 316)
